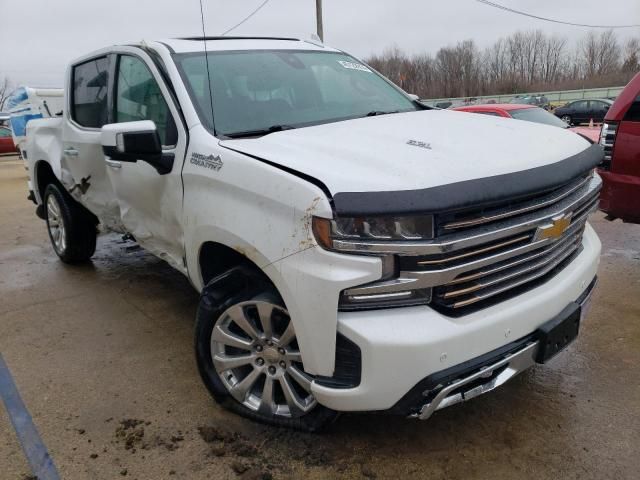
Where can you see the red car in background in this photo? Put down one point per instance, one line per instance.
(530, 113)
(620, 137)
(6, 141)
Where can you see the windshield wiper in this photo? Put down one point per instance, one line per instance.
(376, 113)
(260, 132)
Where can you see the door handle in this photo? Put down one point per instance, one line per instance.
(113, 164)
(71, 152)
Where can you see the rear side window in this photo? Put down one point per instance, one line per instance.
(633, 114)
(89, 103)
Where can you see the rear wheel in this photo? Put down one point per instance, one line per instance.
(71, 230)
(250, 361)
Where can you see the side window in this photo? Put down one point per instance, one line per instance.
(633, 114)
(4, 132)
(580, 106)
(138, 97)
(89, 103)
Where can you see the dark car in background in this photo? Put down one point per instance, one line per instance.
(535, 100)
(620, 170)
(583, 111)
(6, 141)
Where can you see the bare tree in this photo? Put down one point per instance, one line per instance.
(631, 62)
(600, 53)
(5, 92)
(523, 61)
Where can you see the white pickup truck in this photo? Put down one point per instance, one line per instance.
(355, 250)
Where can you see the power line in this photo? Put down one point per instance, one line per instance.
(246, 18)
(518, 12)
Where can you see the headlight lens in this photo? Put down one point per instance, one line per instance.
(363, 229)
(352, 234)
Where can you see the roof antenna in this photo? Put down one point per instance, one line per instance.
(206, 59)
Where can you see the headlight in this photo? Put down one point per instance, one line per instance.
(335, 234)
(356, 235)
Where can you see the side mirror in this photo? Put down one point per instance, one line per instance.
(133, 141)
(414, 97)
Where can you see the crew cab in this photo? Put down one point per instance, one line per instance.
(620, 171)
(354, 249)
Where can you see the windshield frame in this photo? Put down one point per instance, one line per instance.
(203, 117)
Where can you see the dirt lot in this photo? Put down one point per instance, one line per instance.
(102, 355)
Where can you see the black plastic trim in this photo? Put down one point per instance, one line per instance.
(348, 367)
(476, 193)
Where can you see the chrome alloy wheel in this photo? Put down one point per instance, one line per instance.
(256, 355)
(55, 224)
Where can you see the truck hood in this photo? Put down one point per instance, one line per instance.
(413, 150)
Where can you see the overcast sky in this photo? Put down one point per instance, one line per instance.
(39, 37)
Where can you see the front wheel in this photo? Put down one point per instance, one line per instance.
(566, 119)
(71, 230)
(249, 358)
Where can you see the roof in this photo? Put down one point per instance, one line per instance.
(495, 106)
(197, 44)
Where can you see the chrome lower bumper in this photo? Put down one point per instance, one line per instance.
(496, 374)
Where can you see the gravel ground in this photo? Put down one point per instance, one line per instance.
(102, 355)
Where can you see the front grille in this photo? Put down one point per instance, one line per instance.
(458, 221)
(488, 271)
(607, 140)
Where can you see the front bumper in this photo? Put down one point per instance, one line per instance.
(620, 196)
(483, 374)
(400, 347)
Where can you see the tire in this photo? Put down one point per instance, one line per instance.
(248, 356)
(71, 229)
(566, 119)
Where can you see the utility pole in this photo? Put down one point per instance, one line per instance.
(319, 19)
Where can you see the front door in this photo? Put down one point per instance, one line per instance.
(150, 203)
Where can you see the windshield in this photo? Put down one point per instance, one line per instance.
(271, 90)
(538, 115)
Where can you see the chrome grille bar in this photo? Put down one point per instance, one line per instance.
(537, 204)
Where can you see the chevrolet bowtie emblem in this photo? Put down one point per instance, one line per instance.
(556, 228)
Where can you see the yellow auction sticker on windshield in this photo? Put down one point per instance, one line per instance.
(354, 66)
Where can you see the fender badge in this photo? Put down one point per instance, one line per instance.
(212, 162)
(416, 143)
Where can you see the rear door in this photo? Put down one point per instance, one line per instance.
(83, 168)
(150, 203)
(598, 109)
(580, 111)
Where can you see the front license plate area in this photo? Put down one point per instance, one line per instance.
(558, 333)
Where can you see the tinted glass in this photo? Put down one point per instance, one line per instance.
(633, 114)
(138, 97)
(255, 90)
(538, 115)
(582, 105)
(4, 132)
(90, 81)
